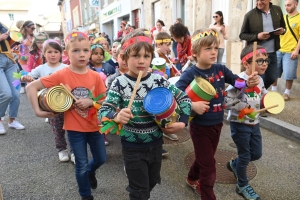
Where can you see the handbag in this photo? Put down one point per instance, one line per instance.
(287, 20)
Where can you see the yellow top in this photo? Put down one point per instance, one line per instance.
(287, 41)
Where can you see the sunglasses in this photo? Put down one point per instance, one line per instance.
(32, 28)
(215, 16)
(261, 61)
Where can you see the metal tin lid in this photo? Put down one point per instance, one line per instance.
(271, 99)
(158, 100)
(160, 63)
(205, 86)
(58, 99)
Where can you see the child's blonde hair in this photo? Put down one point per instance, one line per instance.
(204, 38)
(137, 46)
(77, 38)
(161, 37)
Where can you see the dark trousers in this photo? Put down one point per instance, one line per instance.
(143, 170)
(270, 75)
(249, 147)
(205, 140)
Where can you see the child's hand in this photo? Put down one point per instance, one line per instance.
(253, 80)
(83, 103)
(200, 106)
(27, 78)
(45, 114)
(123, 116)
(173, 128)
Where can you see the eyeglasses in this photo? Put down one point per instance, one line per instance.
(215, 16)
(261, 61)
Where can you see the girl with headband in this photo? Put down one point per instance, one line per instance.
(52, 53)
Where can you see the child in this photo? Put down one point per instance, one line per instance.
(91, 38)
(52, 52)
(163, 43)
(104, 43)
(104, 69)
(81, 81)
(205, 128)
(113, 60)
(35, 58)
(142, 139)
(245, 133)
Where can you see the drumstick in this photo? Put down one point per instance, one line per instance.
(257, 111)
(135, 89)
(68, 91)
(254, 56)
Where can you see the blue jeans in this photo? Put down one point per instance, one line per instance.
(78, 142)
(270, 75)
(174, 48)
(249, 147)
(9, 95)
(286, 65)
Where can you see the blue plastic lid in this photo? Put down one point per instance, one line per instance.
(158, 100)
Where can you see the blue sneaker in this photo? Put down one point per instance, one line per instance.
(231, 168)
(247, 192)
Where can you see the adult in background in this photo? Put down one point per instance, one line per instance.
(122, 32)
(107, 38)
(160, 27)
(257, 25)
(287, 55)
(9, 95)
(223, 33)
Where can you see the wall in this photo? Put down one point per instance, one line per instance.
(18, 15)
(73, 4)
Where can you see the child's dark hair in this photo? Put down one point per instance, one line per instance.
(161, 36)
(40, 37)
(248, 49)
(55, 46)
(161, 22)
(205, 41)
(178, 30)
(96, 46)
(136, 47)
(221, 17)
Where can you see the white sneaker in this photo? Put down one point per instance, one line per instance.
(46, 120)
(63, 156)
(171, 136)
(16, 125)
(22, 90)
(2, 129)
(73, 158)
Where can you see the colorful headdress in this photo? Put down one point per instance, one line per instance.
(204, 34)
(92, 35)
(250, 55)
(163, 41)
(94, 46)
(41, 37)
(48, 41)
(75, 34)
(136, 39)
(98, 39)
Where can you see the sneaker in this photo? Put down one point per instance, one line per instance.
(16, 125)
(164, 152)
(63, 156)
(198, 190)
(93, 180)
(22, 90)
(73, 158)
(171, 136)
(247, 192)
(88, 198)
(286, 97)
(106, 142)
(2, 129)
(231, 168)
(46, 120)
(191, 183)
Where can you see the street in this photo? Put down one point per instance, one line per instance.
(30, 168)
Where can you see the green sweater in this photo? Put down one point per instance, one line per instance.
(143, 131)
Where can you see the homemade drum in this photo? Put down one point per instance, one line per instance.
(162, 106)
(200, 90)
(273, 98)
(54, 99)
(16, 36)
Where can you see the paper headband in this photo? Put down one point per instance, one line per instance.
(204, 34)
(48, 41)
(250, 55)
(92, 35)
(94, 46)
(163, 41)
(41, 37)
(75, 34)
(136, 39)
(147, 32)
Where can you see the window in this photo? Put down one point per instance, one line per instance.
(76, 17)
(156, 11)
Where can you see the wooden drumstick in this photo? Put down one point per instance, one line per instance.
(263, 109)
(254, 56)
(68, 91)
(135, 89)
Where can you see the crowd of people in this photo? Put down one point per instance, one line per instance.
(100, 72)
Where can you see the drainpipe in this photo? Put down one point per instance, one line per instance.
(194, 15)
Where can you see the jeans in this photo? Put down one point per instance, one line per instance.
(143, 170)
(286, 65)
(249, 147)
(270, 75)
(174, 48)
(9, 95)
(78, 142)
(220, 55)
(205, 140)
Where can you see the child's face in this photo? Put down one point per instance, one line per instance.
(52, 55)
(179, 40)
(261, 65)
(122, 64)
(39, 45)
(207, 55)
(104, 44)
(114, 50)
(79, 53)
(139, 61)
(91, 39)
(97, 56)
(164, 48)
